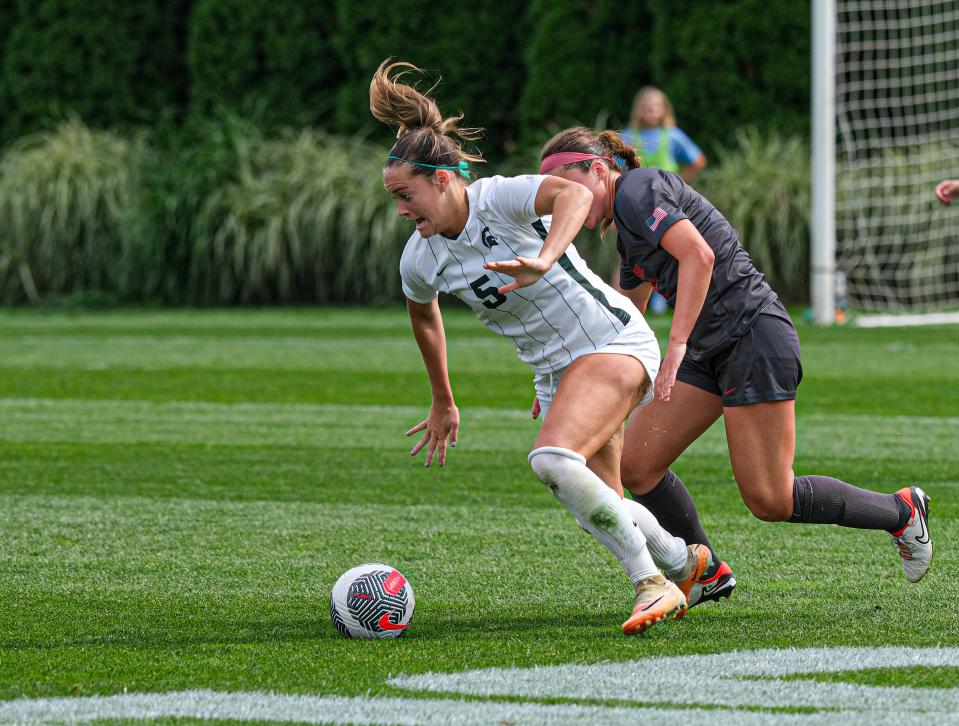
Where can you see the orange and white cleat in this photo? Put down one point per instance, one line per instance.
(656, 599)
(913, 540)
(698, 561)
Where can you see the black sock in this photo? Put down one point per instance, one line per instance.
(672, 504)
(824, 500)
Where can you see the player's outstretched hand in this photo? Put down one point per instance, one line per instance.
(525, 270)
(441, 427)
(947, 190)
(666, 378)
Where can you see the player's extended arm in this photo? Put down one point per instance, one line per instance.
(684, 242)
(443, 422)
(639, 296)
(569, 203)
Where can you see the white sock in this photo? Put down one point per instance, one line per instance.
(597, 508)
(668, 552)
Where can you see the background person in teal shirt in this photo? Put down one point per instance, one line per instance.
(659, 142)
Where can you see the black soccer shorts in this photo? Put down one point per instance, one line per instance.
(763, 365)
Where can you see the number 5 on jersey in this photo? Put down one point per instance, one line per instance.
(485, 292)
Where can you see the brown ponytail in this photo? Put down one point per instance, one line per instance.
(423, 135)
(617, 147)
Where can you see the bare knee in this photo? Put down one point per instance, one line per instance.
(769, 507)
(639, 476)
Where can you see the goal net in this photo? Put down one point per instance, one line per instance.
(897, 136)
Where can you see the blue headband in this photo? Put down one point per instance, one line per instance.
(463, 168)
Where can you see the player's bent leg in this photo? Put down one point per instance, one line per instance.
(761, 445)
(656, 435)
(591, 401)
(596, 507)
(668, 552)
(762, 442)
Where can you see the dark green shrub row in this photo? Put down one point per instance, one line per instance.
(476, 48)
(585, 61)
(272, 61)
(108, 62)
(733, 64)
(519, 68)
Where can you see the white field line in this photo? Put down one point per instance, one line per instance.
(731, 681)
(361, 710)
(750, 679)
(737, 679)
(893, 320)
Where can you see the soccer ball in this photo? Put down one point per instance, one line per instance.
(372, 601)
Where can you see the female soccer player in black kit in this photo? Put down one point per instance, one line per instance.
(732, 352)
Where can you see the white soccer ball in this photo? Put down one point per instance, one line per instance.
(372, 601)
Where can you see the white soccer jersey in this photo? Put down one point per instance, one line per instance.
(567, 313)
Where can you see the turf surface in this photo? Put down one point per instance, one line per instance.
(179, 491)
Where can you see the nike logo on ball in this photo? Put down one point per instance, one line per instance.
(386, 624)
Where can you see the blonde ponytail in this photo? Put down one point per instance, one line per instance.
(424, 136)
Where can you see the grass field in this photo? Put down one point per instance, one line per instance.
(181, 489)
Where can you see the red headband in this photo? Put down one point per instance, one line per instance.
(568, 157)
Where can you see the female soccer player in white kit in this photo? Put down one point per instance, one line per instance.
(592, 354)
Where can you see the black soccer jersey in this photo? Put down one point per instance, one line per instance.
(650, 201)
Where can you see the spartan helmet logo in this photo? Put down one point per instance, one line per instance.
(488, 239)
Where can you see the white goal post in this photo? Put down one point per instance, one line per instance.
(885, 113)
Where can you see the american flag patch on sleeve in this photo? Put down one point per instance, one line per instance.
(656, 218)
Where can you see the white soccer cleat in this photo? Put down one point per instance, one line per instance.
(913, 540)
(656, 599)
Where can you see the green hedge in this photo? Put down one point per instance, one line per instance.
(520, 68)
(8, 17)
(111, 63)
(474, 47)
(585, 61)
(733, 64)
(268, 59)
